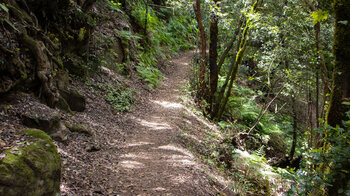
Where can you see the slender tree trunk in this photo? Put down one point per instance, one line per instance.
(227, 80)
(213, 55)
(238, 60)
(229, 45)
(295, 129)
(146, 18)
(317, 29)
(197, 9)
(309, 115)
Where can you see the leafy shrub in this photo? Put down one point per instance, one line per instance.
(150, 75)
(327, 164)
(113, 5)
(119, 97)
(120, 100)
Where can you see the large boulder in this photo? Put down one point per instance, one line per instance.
(50, 123)
(31, 168)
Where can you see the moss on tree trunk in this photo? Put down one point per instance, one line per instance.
(341, 80)
(341, 73)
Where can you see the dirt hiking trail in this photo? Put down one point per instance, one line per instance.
(152, 161)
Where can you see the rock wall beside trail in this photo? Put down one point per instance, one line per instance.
(31, 168)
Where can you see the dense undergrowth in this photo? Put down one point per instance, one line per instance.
(167, 32)
(133, 48)
(246, 161)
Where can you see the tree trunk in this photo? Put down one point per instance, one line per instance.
(309, 115)
(295, 129)
(229, 45)
(341, 73)
(341, 79)
(197, 9)
(227, 80)
(237, 61)
(213, 55)
(146, 21)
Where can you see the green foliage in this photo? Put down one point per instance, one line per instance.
(243, 108)
(120, 100)
(326, 164)
(113, 5)
(150, 74)
(319, 16)
(177, 33)
(127, 35)
(174, 35)
(118, 96)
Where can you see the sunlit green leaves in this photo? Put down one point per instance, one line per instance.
(319, 16)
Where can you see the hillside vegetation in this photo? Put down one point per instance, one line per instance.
(174, 97)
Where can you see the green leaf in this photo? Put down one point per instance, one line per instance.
(319, 16)
(344, 22)
(346, 103)
(3, 6)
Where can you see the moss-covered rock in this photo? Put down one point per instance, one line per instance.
(32, 168)
(79, 128)
(52, 125)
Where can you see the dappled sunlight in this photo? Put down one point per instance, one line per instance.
(159, 189)
(174, 148)
(258, 170)
(192, 137)
(136, 156)
(181, 179)
(138, 144)
(68, 155)
(155, 125)
(192, 114)
(168, 104)
(180, 161)
(65, 189)
(131, 164)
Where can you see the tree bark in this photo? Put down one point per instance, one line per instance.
(146, 19)
(341, 80)
(197, 9)
(295, 129)
(237, 61)
(341, 73)
(229, 45)
(227, 80)
(213, 55)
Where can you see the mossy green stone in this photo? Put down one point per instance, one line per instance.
(33, 169)
(37, 134)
